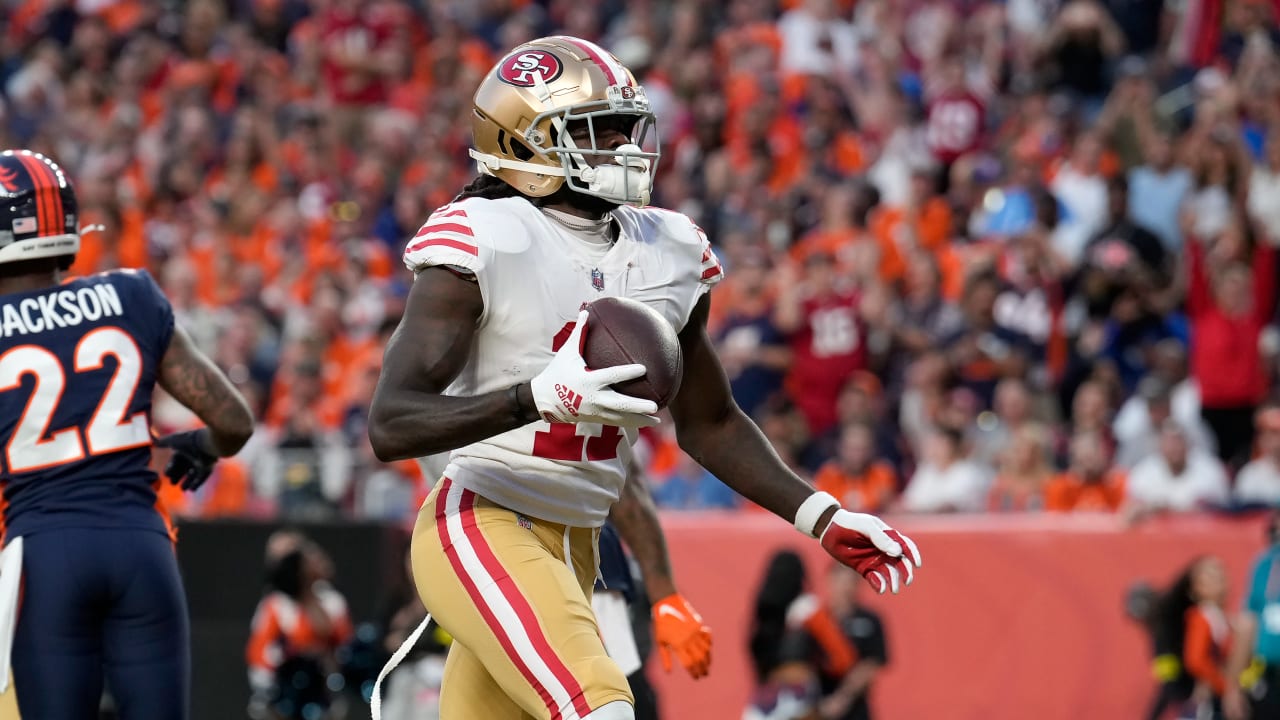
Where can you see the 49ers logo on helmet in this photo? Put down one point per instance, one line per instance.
(522, 69)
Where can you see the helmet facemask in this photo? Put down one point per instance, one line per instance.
(627, 180)
(625, 175)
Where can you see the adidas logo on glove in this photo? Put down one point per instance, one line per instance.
(570, 399)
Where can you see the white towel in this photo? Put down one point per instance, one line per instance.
(10, 585)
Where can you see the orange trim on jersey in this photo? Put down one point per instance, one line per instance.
(4, 513)
(162, 509)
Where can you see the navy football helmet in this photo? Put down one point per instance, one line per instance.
(38, 213)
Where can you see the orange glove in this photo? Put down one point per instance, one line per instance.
(679, 629)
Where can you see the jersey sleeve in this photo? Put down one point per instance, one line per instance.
(711, 271)
(152, 310)
(699, 268)
(449, 237)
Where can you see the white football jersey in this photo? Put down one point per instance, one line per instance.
(534, 277)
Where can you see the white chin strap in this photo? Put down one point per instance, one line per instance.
(626, 181)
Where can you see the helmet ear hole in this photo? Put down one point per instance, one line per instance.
(521, 151)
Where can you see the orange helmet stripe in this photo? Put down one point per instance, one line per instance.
(48, 195)
(42, 209)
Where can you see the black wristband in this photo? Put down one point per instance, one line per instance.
(518, 410)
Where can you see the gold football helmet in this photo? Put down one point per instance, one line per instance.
(523, 108)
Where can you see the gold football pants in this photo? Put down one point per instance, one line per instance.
(514, 592)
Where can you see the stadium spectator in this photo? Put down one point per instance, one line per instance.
(818, 311)
(1135, 420)
(1264, 188)
(1091, 411)
(791, 691)
(268, 160)
(754, 353)
(984, 351)
(1123, 241)
(297, 629)
(1088, 484)
(815, 39)
(855, 476)
(1081, 41)
(783, 582)
(1230, 297)
(946, 480)
(792, 634)
(955, 120)
(1156, 190)
(1024, 472)
(847, 696)
(1175, 477)
(1259, 480)
(306, 465)
(690, 487)
(1139, 435)
(1261, 636)
(1194, 609)
(920, 318)
(1082, 190)
(1010, 411)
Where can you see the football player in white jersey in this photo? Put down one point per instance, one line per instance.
(504, 547)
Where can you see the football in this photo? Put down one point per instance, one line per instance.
(622, 331)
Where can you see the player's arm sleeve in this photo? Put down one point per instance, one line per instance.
(710, 271)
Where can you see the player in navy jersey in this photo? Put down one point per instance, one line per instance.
(101, 596)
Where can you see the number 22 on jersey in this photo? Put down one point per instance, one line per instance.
(33, 446)
(576, 442)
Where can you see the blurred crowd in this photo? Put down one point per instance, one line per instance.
(981, 256)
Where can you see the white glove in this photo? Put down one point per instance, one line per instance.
(567, 392)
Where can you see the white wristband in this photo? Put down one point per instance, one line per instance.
(811, 509)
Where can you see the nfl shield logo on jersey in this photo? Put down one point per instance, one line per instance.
(597, 279)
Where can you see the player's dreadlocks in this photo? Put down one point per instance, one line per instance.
(487, 187)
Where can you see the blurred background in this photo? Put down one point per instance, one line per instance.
(1004, 270)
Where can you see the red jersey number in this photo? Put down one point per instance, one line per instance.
(579, 442)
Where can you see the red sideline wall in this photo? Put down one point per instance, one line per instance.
(1011, 617)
